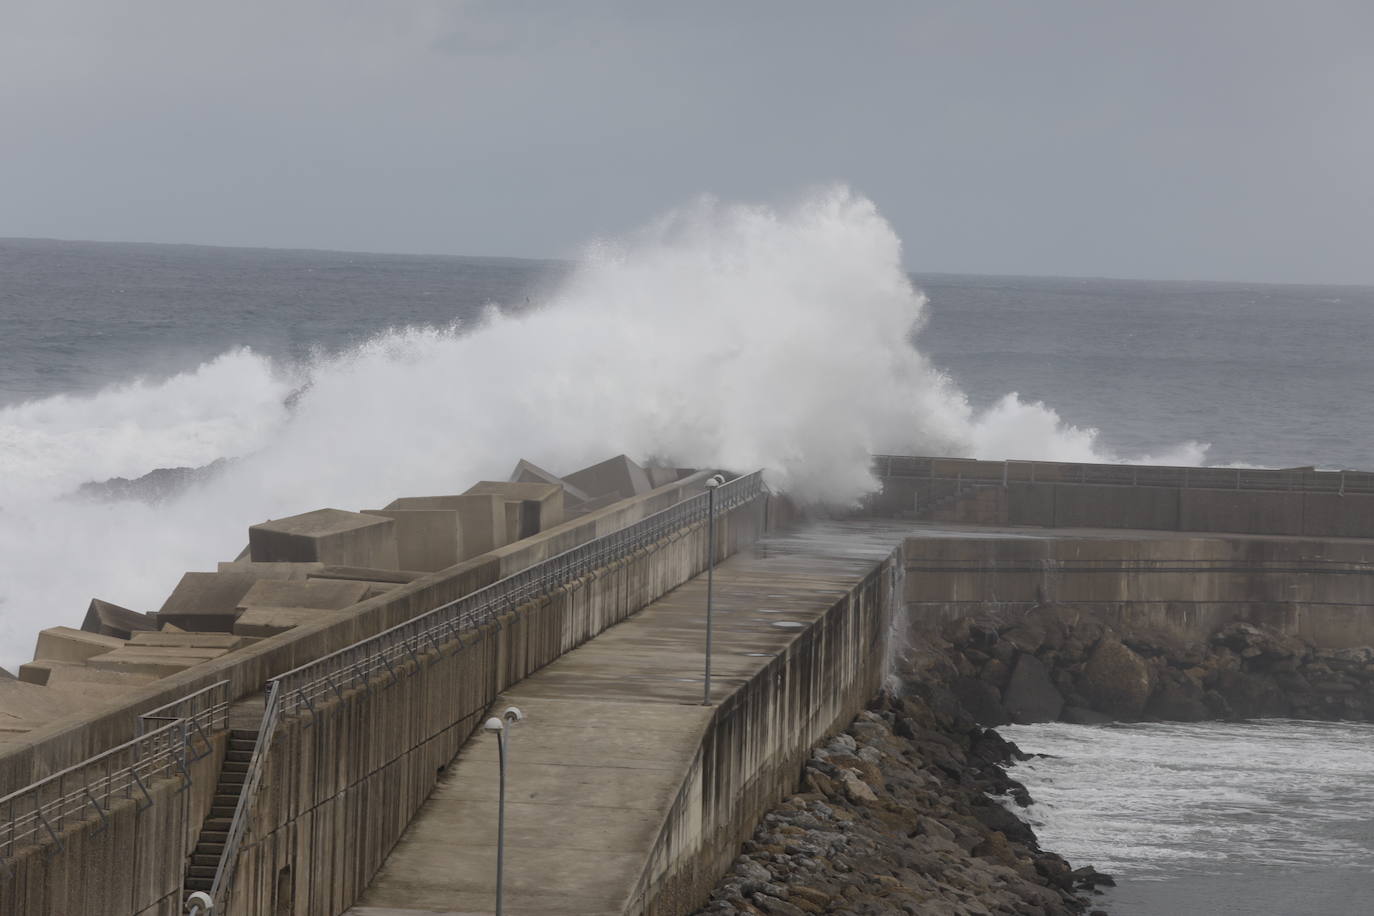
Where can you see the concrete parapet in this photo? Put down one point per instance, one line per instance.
(329, 536)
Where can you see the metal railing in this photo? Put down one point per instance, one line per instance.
(38, 813)
(385, 653)
(972, 472)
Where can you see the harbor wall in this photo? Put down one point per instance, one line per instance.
(1321, 590)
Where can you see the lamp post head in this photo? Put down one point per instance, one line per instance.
(513, 714)
(494, 725)
(714, 481)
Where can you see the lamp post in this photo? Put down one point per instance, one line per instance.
(712, 483)
(501, 725)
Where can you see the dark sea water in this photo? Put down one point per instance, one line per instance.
(334, 377)
(1270, 375)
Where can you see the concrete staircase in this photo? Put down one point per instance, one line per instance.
(213, 833)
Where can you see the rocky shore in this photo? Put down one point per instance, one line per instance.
(1056, 664)
(909, 810)
(896, 815)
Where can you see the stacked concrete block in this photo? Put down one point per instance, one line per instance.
(112, 620)
(273, 570)
(274, 605)
(620, 476)
(530, 507)
(329, 536)
(529, 472)
(206, 602)
(69, 645)
(426, 539)
(480, 519)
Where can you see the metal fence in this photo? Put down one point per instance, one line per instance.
(382, 655)
(982, 473)
(167, 743)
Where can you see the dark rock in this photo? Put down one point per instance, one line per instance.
(1178, 699)
(1116, 680)
(1030, 695)
(981, 700)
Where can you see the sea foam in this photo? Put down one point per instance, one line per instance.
(721, 334)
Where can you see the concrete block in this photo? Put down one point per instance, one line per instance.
(78, 677)
(426, 539)
(329, 536)
(325, 594)
(25, 706)
(661, 477)
(529, 472)
(158, 661)
(112, 620)
(530, 507)
(269, 621)
(69, 645)
(619, 475)
(206, 601)
(272, 570)
(481, 518)
(226, 641)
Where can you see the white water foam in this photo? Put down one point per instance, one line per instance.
(1269, 816)
(728, 335)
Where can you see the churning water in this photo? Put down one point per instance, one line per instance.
(1270, 816)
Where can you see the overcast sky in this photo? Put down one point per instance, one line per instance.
(1202, 140)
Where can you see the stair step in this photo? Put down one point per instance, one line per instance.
(209, 849)
(241, 757)
(198, 884)
(236, 766)
(213, 837)
(222, 811)
(201, 871)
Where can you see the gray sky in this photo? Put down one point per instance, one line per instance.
(1205, 140)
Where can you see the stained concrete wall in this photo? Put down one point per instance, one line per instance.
(133, 862)
(1055, 501)
(753, 749)
(342, 786)
(93, 729)
(1319, 589)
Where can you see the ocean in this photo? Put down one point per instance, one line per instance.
(793, 340)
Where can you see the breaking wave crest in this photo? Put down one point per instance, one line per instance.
(721, 334)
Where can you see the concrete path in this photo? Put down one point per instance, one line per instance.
(611, 729)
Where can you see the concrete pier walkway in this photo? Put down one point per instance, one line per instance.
(611, 731)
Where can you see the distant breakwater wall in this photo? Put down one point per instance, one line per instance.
(1300, 502)
(1185, 588)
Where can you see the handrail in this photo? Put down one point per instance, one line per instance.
(300, 687)
(203, 707)
(974, 472)
(44, 808)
